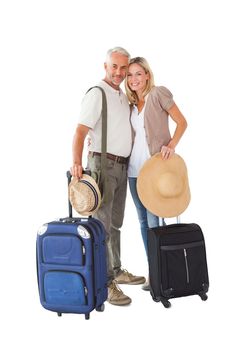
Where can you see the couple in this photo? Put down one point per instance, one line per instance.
(137, 129)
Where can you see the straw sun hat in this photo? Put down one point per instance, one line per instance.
(84, 195)
(163, 186)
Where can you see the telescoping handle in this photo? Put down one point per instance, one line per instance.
(69, 177)
(161, 220)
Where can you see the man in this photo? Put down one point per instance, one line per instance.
(119, 143)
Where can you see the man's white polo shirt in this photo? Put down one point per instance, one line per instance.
(119, 137)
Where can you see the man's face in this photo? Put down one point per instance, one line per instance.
(116, 69)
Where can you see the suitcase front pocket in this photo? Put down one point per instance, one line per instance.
(64, 250)
(64, 288)
(183, 268)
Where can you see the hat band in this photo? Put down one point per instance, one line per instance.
(94, 192)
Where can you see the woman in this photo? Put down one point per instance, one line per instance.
(151, 106)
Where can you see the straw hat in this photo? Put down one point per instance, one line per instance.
(163, 187)
(84, 195)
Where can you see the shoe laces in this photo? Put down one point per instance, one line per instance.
(126, 272)
(116, 289)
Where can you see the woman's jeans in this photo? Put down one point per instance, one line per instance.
(146, 219)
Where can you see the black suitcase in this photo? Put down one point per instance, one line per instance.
(177, 262)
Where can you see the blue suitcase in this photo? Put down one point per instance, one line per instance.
(71, 265)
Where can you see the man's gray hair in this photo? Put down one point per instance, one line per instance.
(119, 50)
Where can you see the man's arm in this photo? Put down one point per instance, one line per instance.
(78, 143)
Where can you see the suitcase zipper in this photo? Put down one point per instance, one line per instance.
(182, 246)
(186, 265)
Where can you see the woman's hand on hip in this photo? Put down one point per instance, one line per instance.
(167, 152)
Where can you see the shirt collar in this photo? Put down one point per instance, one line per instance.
(110, 88)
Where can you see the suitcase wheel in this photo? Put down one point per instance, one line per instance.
(59, 314)
(203, 296)
(87, 316)
(166, 303)
(100, 308)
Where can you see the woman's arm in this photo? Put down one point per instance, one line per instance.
(181, 125)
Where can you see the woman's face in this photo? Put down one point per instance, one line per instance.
(137, 78)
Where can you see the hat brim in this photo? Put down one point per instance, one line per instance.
(74, 190)
(147, 186)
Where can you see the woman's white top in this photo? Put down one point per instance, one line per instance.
(140, 152)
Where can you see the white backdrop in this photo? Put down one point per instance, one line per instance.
(51, 53)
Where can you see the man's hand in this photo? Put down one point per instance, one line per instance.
(76, 171)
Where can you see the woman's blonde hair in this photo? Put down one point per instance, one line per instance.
(132, 96)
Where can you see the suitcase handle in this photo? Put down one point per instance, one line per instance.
(69, 177)
(161, 220)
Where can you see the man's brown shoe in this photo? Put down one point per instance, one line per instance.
(128, 278)
(116, 296)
